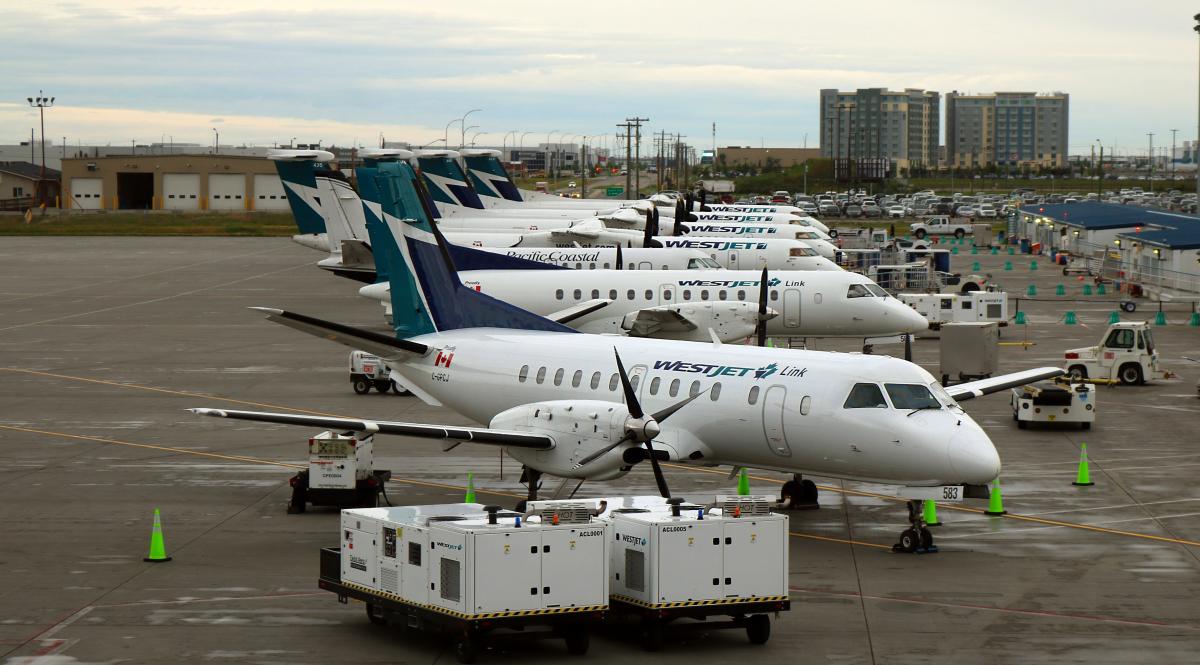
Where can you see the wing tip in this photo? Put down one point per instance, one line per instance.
(217, 413)
(268, 310)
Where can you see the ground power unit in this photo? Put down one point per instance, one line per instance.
(470, 570)
(341, 472)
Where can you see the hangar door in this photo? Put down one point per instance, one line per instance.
(181, 191)
(86, 193)
(227, 191)
(268, 193)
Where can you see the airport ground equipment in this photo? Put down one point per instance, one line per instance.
(969, 350)
(469, 570)
(1126, 353)
(341, 472)
(1051, 402)
(982, 235)
(943, 308)
(368, 371)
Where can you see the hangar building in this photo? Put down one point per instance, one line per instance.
(172, 182)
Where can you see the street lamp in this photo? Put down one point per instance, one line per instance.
(563, 139)
(463, 137)
(41, 103)
(431, 143)
(446, 132)
(477, 135)
(504, 144)
(1197, 143)
(216, 141)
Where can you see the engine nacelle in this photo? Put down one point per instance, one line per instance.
(732, 320)
(579, 428)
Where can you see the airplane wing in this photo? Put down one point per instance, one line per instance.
(646, 322)
(582, 309)
(384, 346)
(588, 234)
(973, 389)
(482, 435)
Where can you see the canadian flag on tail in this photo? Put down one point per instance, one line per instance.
(443, 358)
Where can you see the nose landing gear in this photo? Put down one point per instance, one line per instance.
(532, 479)
(799, 494)
(916, 539)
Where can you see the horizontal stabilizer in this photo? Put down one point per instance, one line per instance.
(973, 389)
(482, 435)
(384, 346)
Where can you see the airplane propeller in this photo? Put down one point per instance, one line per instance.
(651, 229)
(703, 205)
(620, 263)
(640, 428)
(761, 329)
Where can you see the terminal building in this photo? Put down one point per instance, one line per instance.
(172, 182)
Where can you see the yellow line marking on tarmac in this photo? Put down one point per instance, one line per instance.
(838, 540)
(978, 511)
(167, 391)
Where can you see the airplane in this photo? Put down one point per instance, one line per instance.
(562, 403)
(810, 237)
(674, 304)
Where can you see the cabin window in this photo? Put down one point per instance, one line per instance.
(805, 405)
(578, 294)
(612, 382)
(695, 389)
(654, 385)
(541, 375)
(579, 266)
(721, 295)
(687, 294)
(774, 295)
(704, 294)
(674, 388)
(577, 378)
(858, 291)
(612, 294)
(741, 295)
(523, 374)
(631, 295)
(634, 381)
(606, 266)
(649, 294)
(595, 294)
(966, 304)
(558, 294)
(865, 396)
(595, 380)
(667, 294)
(817, 298)
(593, 266)
(558, 376)
(715, 393)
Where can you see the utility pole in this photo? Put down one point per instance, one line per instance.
(1173, 131)
(628, 173)
(637, 148)
(1150, 164)
(1100, 173)
(41, 104)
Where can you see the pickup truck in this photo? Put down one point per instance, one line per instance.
(940, 225)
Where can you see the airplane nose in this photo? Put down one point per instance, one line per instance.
(910, 320)
(972, 456)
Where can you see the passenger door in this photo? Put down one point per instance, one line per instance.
(772, 415)
(791, 308)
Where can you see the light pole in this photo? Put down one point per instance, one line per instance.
(549, 155)
(216, 141)
(465, 130)
(431, 143)
(1150, 162)
(446, 133)
(477, 135)
(583, 168)
(463, 137)
(504, 144)
(41, 103)
(1196, 144)
(563, 139)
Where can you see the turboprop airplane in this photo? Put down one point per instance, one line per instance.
(810, 237)
(562, 403)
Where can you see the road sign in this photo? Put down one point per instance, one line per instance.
(614, 191)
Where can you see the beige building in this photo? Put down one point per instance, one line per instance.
(172, 182)
(757, 157)
(19, 185)
(1007, 129)
(902, 127)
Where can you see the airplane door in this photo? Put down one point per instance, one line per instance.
(733, 261)
(666, 294)
(791, 308)
(637, 375)
(773, 421)
(645, 265)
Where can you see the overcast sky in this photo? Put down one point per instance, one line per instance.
(263, 72)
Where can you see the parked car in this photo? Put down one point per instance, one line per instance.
(853, 210)
(829, 209)
(896, 212)
(986, 210)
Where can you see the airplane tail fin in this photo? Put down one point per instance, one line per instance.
(488, 175)
(297, 169)
(447, 183)
(426, 292)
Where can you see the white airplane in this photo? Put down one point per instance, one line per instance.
(674, 304)
(559, 403)
(810, 237)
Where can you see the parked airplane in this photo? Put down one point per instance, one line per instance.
(555, 402)
(810, 237)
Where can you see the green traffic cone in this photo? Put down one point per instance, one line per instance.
(158, 551)
(470, 497)
(1031, 291)
(1008, 265)
(1060, 290)
(1160, 319)
(1033, 265)
(743, 483)
(953, 250)
(931, 513)
(770, 343)
(975, 267)
(995, 251)
(1020, 319)
(1100, 290)
(1114, 317)
(1011, 251)
(974, 249)
(995, 501)
(1087, 289)
(1082, 477)
(1070, 319)
(1195, 322)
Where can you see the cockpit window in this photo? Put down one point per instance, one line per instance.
(941, 394)
(702, 264)
(858, 291)
(911, 396)
(802, 251)
(865, 396)
(806, 235)
(877, 290)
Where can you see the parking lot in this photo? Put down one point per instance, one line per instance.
(105, 342)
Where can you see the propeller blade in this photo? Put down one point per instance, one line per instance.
(603, 451)
(678, 215)
(703, 205)
(761, 328)
(631, 400)
(662, 415)
(659, 479)
(620, 260)
(689, 201)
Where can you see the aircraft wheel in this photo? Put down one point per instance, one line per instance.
(909, 540)
(926, 538)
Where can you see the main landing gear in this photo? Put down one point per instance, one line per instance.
(532, 478)
(916, 539)
(799, 494)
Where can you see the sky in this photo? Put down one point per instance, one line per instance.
(262, 72)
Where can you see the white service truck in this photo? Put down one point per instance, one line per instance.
(941, 225)
(1126, 353)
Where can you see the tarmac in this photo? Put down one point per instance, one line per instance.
(105, 341)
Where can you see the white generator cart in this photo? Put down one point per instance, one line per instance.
(341, 472)
(727, 559)
(368, 371)
(469, 571)
(942, 308)
(1050, 402)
